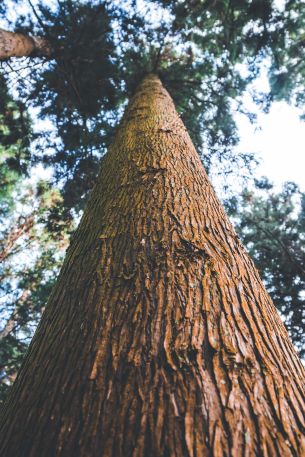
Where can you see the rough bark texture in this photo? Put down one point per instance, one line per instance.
(20, 45)
(159, 338)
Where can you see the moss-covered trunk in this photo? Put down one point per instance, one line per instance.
(159, 338)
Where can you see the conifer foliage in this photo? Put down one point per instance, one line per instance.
(272, 226)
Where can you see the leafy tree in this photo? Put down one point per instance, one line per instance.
(287, 73)
(14, 156)
(33, 237)
(78, 88)
(101, 49)
(272, 227)
(32, 250)
(206, 53)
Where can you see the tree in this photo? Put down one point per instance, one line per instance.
(30, 259)
(287, 73)
(159, 337)
(98, 49)
(14, 156)
(216, 89)
(96, 60)
(99, 54)
(272, 227)
(33, 237)
(76, 87)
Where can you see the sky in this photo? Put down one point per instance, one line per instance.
(278, 139)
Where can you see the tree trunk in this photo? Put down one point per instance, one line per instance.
(7, 246)
(20, 45)
(159, 338)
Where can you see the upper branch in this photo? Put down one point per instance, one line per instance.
(19, 45)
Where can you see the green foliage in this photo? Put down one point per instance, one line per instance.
(32, 246)
(231, 41)
(102, 51)
(14, 137)
(229, 30)
(287, 73)
(207, 53)
(272, 227)
(11, 354)
(79, 90)
(33, 236)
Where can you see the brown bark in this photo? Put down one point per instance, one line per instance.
(20, 45)
(159, 338)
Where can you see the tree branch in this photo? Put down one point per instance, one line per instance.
(19, 45)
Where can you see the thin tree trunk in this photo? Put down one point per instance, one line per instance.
(9, 326)
(13, 236)
(14, 320)
(159, 338)
(20, 45)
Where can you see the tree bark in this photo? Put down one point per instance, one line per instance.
(20, 45)
(159, 338)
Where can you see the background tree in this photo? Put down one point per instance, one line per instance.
(272, 227)
(33, 238)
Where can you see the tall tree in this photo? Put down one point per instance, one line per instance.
(159, 337)
(99, 49)
(91, 50)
